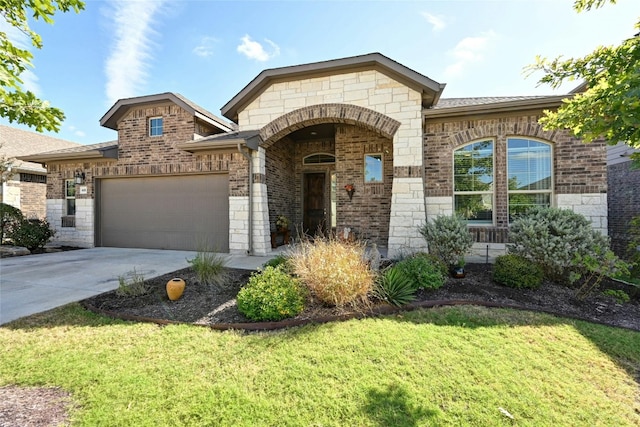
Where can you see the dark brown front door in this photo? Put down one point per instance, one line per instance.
(314, 204)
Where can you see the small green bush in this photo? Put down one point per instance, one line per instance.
(394, 287)
(336, 272)
(210, 267)
(517, 272)
(271, 295)
(447, 237)
(281, 261)
(422, 272)
(135, 285)
(619, 295)
(10, 219)
(32, 234)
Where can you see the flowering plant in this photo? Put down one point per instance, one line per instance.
(282, 222)
(349, 188)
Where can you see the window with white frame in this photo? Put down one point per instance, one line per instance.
(529, 176)
(70, 196)
(155, 126)
(373, 168)
(318, 159)
(473, 182)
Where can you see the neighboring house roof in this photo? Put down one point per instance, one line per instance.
(122, 106)
(429, 88)
(451, 107)
(17, 143)
(83, 152)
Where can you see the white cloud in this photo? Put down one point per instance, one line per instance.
(468, 51)
(76, 131)
(206, 47)
(437, 21)
(254, 50)
(132, 52)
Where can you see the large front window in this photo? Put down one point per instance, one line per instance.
(473, 182)
(528, 174)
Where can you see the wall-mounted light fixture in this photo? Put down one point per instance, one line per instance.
(79, 177)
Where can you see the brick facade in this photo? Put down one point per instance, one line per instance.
(368, 212)
(578, 168)
(624, 203)
(140, 155)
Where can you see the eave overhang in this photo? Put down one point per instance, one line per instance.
(110, 152)
(549, 102)
(222, 142)
(430, 89)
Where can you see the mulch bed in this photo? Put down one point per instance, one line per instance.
(214, 306)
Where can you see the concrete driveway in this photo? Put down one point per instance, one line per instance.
(35, 283)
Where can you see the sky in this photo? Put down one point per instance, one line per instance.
(208, 51)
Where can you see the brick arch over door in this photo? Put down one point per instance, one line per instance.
(328, 113)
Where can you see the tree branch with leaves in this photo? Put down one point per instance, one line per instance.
(17, 104)
(609, 107)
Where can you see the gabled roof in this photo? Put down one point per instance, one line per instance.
(122, 106)
(102, 150)
(453, 107)
(16, 143)
(429, 88)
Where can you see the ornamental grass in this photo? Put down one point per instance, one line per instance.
(335, 272)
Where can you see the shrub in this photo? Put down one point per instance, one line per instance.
(271, 295)
(32, 233)
(565, 245)
(10, 218)
(619, 295)
(422, 273)
(135, 286)
(447, 237)
(517, 272)
(210, 267)
(394, 287)
(335, 272)
(633, 248)
(281, 261)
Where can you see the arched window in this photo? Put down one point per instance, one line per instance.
(529, 174)
(473, 182)
(319, 158)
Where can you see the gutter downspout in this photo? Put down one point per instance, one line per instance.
(247, 155)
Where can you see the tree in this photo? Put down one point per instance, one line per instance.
(16, 104)
(610, 105)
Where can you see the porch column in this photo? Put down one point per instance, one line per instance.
(261, 226)
(407, 196)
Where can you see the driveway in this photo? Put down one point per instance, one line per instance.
(35, 283)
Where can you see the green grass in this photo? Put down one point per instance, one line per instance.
(448, 366)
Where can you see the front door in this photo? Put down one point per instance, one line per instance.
(314, 219)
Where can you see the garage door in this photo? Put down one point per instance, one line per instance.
(176, 212)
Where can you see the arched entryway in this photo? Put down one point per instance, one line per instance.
(311, 154)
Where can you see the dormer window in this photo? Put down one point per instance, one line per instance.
(155, 126)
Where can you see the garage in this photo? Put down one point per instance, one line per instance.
(186, 212)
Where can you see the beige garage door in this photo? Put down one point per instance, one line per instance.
(177, 212)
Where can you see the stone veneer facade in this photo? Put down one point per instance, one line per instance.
(579, 170)
(370, 101)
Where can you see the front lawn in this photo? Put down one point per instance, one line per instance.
(450, 366)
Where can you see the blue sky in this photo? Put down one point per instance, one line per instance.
(209, 50)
